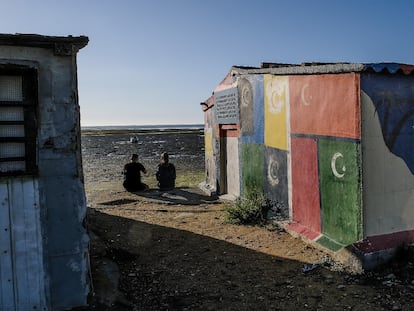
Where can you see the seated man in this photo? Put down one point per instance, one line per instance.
(132, 174)
(165, 173)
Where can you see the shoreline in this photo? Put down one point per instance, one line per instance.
(105, 152)
(141, 131)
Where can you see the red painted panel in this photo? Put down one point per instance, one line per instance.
(326, 105)
(303, 231)
(305, 186)
(228, 130)
(385, 241)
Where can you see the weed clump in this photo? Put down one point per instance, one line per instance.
(250, 209)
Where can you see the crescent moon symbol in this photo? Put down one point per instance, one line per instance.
(302, 94)
(245, 100)
(272, 171)
(333, 165)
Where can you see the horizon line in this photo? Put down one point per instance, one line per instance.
(123, 125)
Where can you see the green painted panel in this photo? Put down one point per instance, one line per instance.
(252, 167)
(329, 244)
(339, 170)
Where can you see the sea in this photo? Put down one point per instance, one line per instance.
(144, 127)
(104, 154)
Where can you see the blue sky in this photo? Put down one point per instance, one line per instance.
(154, 61)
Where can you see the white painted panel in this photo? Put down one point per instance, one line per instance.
(28, 250)
(6, 275)
(388, 185)
(232, 169)
(25, 240)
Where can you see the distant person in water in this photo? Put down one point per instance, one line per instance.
(165, 173)
(132, 175)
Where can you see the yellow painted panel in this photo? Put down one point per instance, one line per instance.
(276, 99)
(208, 142)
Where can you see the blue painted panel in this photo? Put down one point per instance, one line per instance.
(257, 136)
(393, 97)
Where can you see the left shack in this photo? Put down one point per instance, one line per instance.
(43, 241)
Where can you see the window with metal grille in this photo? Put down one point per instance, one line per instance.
(18, 131)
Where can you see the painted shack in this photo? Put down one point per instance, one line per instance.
(43, 241)
(330, 145)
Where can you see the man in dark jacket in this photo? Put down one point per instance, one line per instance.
(165, 173)
(132, 174)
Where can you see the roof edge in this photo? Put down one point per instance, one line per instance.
(325, 68)
(48, 42)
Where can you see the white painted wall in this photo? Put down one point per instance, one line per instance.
(388, 185)
(59, 190)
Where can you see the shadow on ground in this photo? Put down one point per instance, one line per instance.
(182, 196)
(139, 266)
(160, 268)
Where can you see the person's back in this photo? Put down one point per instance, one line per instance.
(132, 173)
(166, 173)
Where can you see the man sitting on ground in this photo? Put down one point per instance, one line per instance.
(132, 174)
(165, 173)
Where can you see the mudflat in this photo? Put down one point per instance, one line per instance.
(172, 250)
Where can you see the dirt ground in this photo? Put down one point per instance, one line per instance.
(172, 251)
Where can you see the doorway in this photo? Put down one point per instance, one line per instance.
(22, 274)
(229, 160)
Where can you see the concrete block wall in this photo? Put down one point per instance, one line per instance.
(332, 149)
(59, 180)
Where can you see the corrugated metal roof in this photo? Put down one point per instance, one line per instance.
(323, 68)
(391, 67)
